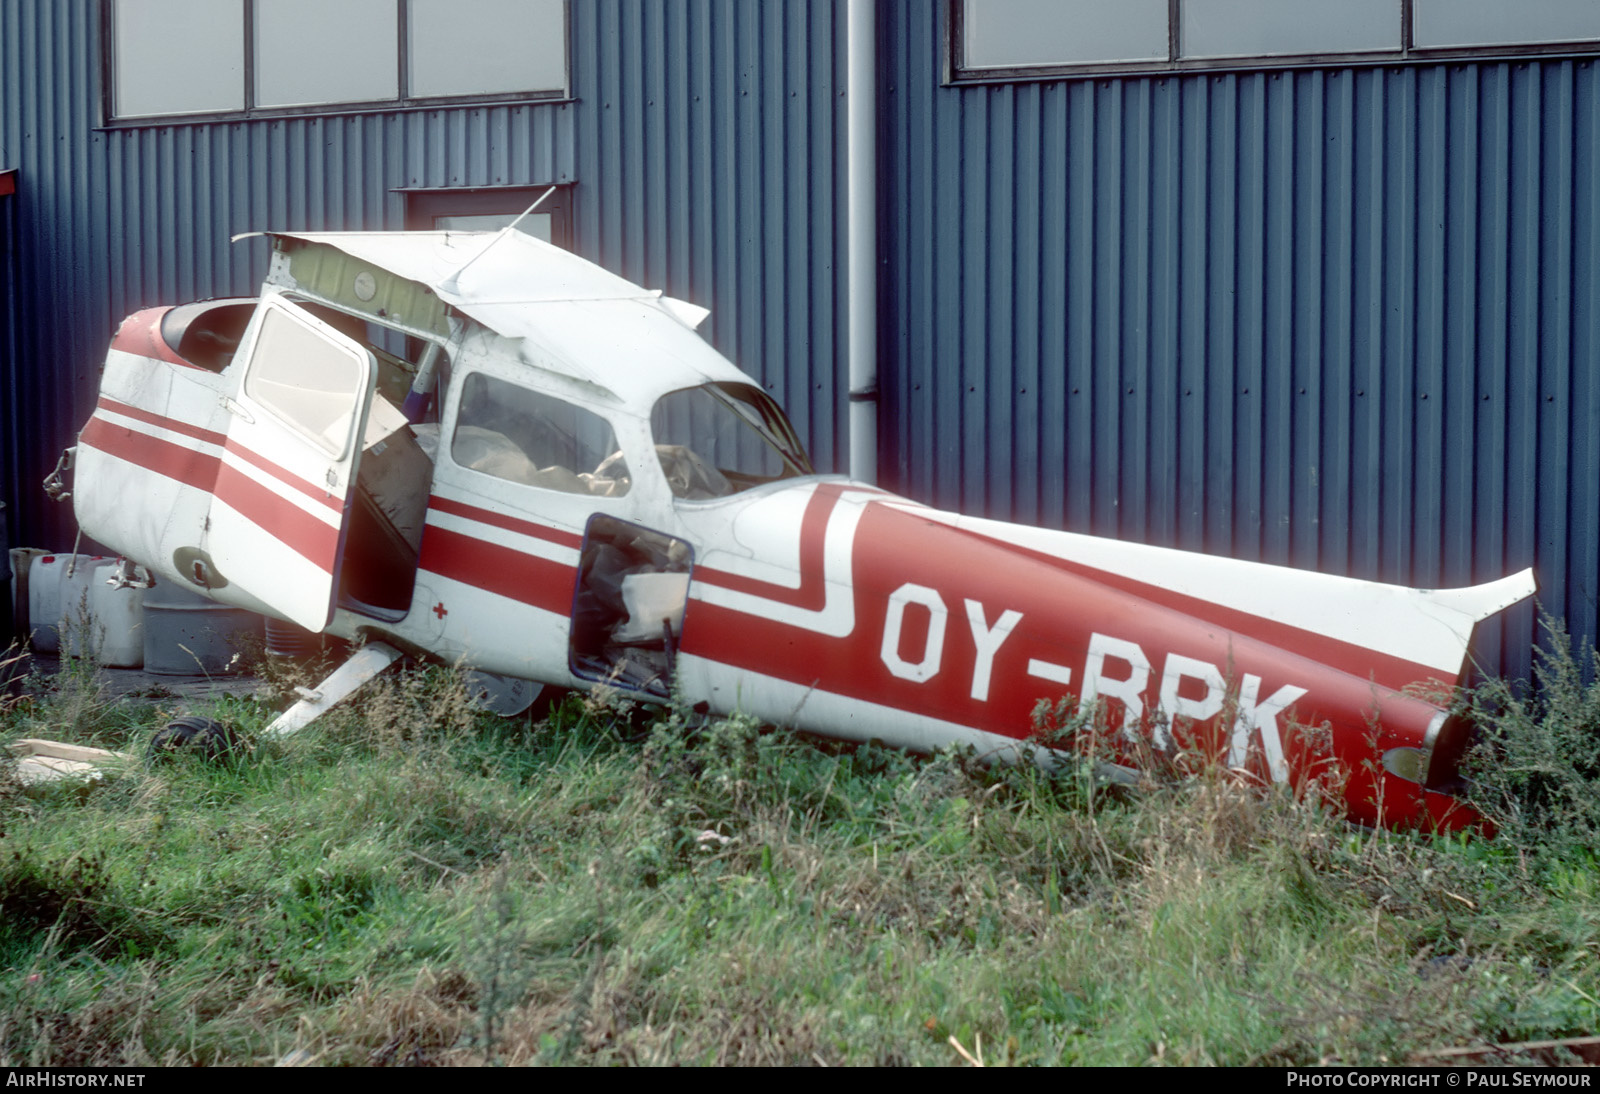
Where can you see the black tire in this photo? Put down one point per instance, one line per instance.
(545, 703)
(205, 737)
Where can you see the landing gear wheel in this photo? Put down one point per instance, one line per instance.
(547, 702)
(205, 737)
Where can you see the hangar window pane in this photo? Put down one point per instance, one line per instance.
(1446, 23)
(242, 58)
(1042, 39)
(1266, 28)
(1014, 33)
(153, 39)
(311, 51)
(490, 47)
(536, 225)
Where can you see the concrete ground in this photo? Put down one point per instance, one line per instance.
(137, 683)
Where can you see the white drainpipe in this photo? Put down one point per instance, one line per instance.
(861, 215)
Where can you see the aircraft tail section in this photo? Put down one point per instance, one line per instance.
(1479, 602)
(1394, 634)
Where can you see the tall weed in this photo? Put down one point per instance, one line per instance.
(411, 882)
(1535, 771)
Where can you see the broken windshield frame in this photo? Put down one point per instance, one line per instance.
(719, 439)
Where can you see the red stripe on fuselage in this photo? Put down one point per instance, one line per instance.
(174, 461)
(140, 415)
(278, 517)
(812, 593)
(501, 570)
(1387, 670)
(309, 489)
(500, 520)
(1061, 611)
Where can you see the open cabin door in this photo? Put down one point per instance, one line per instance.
(283, 492)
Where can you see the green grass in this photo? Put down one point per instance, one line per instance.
(410, 882)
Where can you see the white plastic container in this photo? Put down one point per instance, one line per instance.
(44, 601)
(58, 593)
(21, 562)
(118, 613)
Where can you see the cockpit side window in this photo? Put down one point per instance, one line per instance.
(718, 439)
(528, 437)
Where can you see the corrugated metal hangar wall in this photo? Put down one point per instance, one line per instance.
(1341, 317)
(704, 141)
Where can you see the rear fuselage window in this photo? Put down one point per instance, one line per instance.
(207, 333)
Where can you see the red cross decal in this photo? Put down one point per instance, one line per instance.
(440, 610)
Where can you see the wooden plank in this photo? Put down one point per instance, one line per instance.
(60, 750)
(1586, 1049)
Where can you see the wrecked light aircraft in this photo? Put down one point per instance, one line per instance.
(488, 450)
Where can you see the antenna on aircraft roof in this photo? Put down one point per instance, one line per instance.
(452, 284)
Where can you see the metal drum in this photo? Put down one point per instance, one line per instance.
(187, 635)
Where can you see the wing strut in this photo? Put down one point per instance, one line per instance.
(343, 682)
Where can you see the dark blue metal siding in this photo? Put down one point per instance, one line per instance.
(704, 141)
(177, 194)
(44, 134)
(711, 165)
(10, 420)
(1344, 319)
(113, 220)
